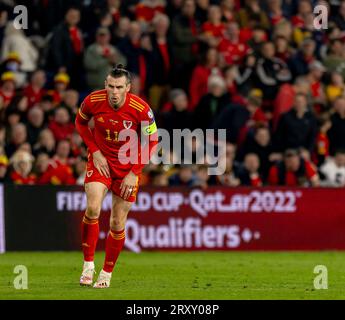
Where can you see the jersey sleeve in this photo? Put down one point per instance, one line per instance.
(148, 129)
(84, 111)
(148, 123)
(83, 117)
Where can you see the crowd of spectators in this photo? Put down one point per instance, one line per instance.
(257, 68)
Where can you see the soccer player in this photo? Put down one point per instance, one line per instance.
(115, 111)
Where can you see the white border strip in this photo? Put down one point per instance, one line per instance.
(2, 220)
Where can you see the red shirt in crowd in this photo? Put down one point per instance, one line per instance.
(146, 13)
(291, 178)
(212, 29)
(77, 40)
(33, 96)
(233, 53)
(6, 98)
(198, 85)
(17, 178)
(61, 131)
(57, 174)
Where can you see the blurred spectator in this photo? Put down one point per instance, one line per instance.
(202, 178)
(35, 89)
(304, 8)
(184, 33)
(201, 73)
(99, 58)
(137, 49)
(201, 11)
(213, 29)
(249, 174)
(12, 63)
(317, 91)
(16, 41)
(145, 10)
(45, 143)
(252, 12)
(297, 128)
(260, 144)
(66, 47)
(21, 163)
(184, 177)
(228, 10)
(70, 101)
(52, 172)
(336, 88)
(18, 137)
(271, 72)
(322, 140)
(7, 89)
(114, 8)
(35, 124)
(17, 108)
(61, 125)
(80, 170)
(63, 151)
(339, 17)
(256, 37)
(275, 12)
(285, 98)
(336, 133)
(161, 57)
(230, 178)
(335, 60)
(212, 103)
(231, 77)
(231, 48)
(178, 117)
(293, 171)
(121, 32)
(300, 61)
(283, 49)
(159, 178)
(333, 170)
(237, 119)
(61, 82)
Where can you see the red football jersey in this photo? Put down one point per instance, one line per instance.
(111, 128)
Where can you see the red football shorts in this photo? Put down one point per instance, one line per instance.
(113, 183)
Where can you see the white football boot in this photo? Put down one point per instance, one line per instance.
(86, 278)
(103, 280)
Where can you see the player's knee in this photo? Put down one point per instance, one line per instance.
(118, 222)
(93, 210)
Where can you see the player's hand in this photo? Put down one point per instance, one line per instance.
(101, 164)
(128, 184)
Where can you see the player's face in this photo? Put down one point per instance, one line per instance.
(117, 89)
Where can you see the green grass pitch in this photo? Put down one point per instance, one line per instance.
(192, 275)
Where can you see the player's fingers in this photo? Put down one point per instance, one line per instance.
(105, 171)
(122, 188)
(106, 168)
(99, 169)
(129, 192)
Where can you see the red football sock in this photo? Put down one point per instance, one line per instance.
(89, 234)
(113, 247)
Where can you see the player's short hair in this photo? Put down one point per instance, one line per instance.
(120, 71)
